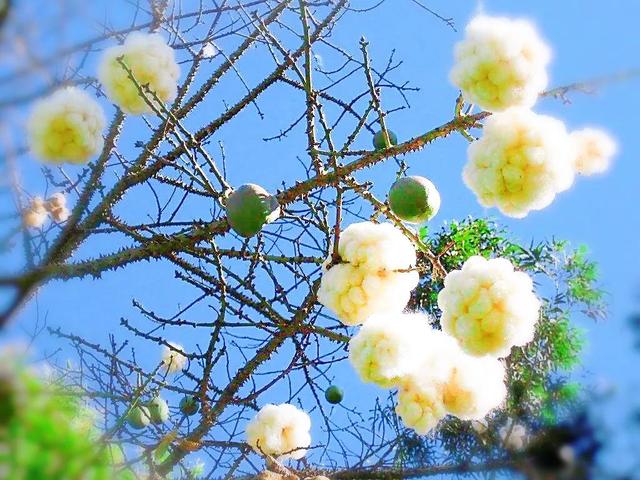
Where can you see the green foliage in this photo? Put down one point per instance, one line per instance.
(45, 432)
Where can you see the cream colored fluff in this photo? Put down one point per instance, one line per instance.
(595, 150)
(501, 63)
(151, 61)
(370, 281)
(280, 430)
(172, 358)
(488, 307)
(520, 163)
(66, 127)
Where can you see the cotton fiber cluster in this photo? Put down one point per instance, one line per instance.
(57, 206)
(521, 162)
(488, 307)
(501, 63)
(151, 62)
(389, 347)
(280, 430)
(374, 277)
(35, 214)
(594, 150)
(433, 375)
(172, 360)
(66, 127)
(513, 435)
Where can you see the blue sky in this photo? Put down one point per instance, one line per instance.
(589, 39)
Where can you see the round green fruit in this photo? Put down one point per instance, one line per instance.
(334, 394)
(189, 405)
(249, 207)
(139, 417)
(414, 199)
(158, 410)
(380, 143)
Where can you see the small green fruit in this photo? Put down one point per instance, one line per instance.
(249, 207)
(158, 410)
(189, 405)
(139, 417)
(334, 394)
(380, 143)
(414, 199)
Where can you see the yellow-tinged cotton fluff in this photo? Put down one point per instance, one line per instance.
(173, 359)
(420, 404)
(488, 307)
(501, 63)
(374, 277)
(57, 206)
(594, 150)
(35, 214)
(389, 346)
(151, 62)
(475, 387)
(280, 430)
(375, 246)
(520, 163)
(66, 127)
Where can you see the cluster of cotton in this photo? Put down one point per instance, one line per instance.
(280, 430)
(376, 275)
(66, 127)
(433, 375)
(57, 206)
(35, 214)
(513, 435)
(173, 360)
(38, 210)
(488, 307)
(521, 162)
(594, 150)
(501, 63)
(150, 61)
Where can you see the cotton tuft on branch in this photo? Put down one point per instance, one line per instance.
(172, 360)
(280, 430)
(520, 163)
(151, 62)
(66, 127)
(501, 63)
(374, 278)
(488, 307)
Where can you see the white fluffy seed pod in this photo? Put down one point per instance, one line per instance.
(280, 430)
(354, 294)
(60, 214)
(594, 150)
(501, 63)
(476, 386)
(420, 404)
(35, 214)
(488, 307)
(388, 347)
(370, 281)
(66, 127)
(172, 360)
(521, 162)
(376, 246)
(513, 435)
(151, 62)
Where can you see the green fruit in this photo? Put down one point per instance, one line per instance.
(189, 405)
(139, 417)
(380, 143)
(414, 199)
(334, 394)
(158, 410)
(249, 207)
